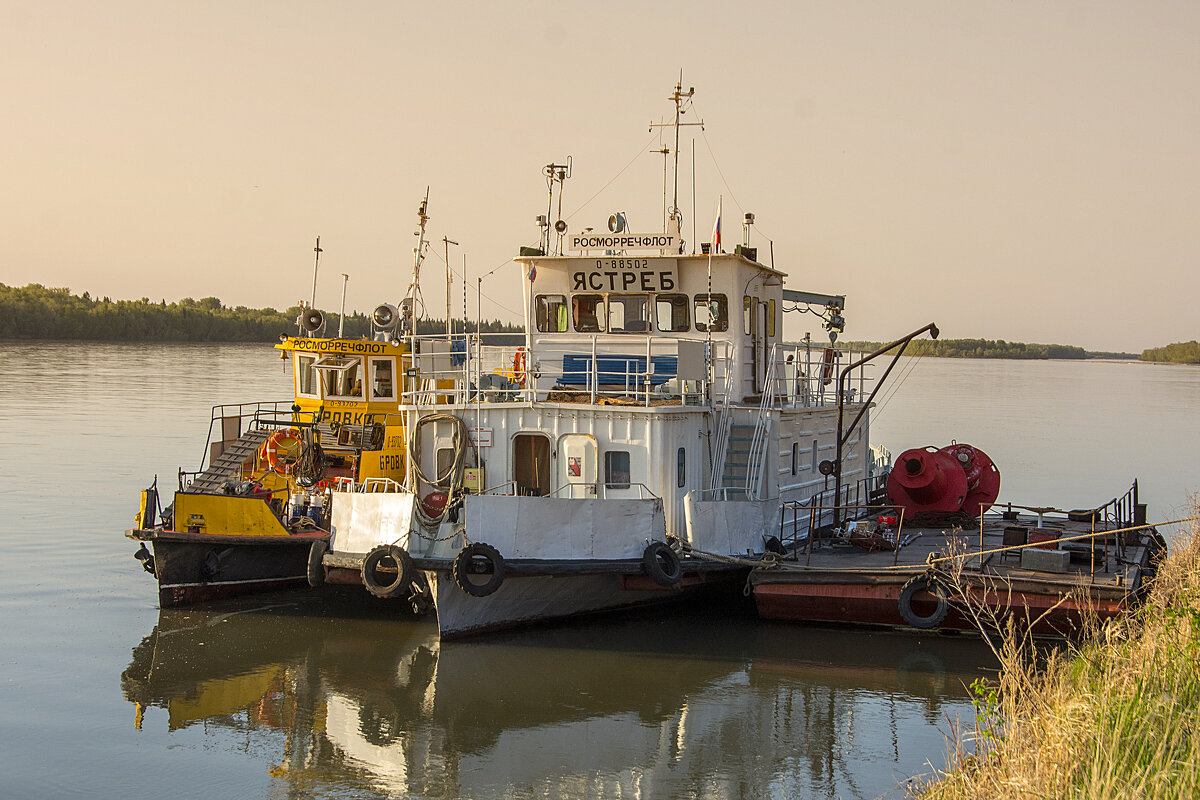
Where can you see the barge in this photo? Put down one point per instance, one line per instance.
(1043, 570)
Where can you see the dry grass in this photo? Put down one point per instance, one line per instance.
(1115, 716)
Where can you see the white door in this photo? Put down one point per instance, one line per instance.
(577, 470)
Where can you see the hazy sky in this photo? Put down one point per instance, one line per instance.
(1019, 170)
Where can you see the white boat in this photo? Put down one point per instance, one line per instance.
(650, 432)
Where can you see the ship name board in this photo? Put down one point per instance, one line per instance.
(624, 275)
(336, 346)
(623, 241)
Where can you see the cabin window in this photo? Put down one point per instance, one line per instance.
(587, 311)
(341, 376)
(550, 313)
(681, 467)
(795, 456)
(748, 308)
(445, 465)
(629, 313)
(671, 312)
(814, 455)
(616, 469)
(771, 318)
(382, 387)
(306, 376)
(712, 309)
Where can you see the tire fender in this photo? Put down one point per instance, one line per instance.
(905, 602)
(478, 558)
(404, 571)
(316, 564)
(662, 564)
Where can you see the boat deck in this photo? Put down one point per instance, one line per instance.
(1028, 564)
(1102, 560)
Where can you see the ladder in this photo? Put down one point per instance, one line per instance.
(229, 464)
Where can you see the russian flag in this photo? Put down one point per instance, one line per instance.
(716, 231)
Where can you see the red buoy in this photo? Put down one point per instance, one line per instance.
(983, 479)
(927, 479)
(434, 503)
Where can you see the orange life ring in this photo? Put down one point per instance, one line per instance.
(270, 450)
(520, 366)
(827, 366)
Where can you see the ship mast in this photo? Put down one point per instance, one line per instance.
(682, 101)
(413, 295)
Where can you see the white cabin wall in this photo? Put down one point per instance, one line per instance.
(652, 439)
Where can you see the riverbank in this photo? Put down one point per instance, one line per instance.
(1115, 716)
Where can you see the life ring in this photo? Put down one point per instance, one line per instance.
(828, 361)
(478, 558)
(270, 450)
(520, 366)
(662, 564)
(404, 571)
(316, 563)
(923, 583)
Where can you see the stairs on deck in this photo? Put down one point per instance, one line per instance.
(735, 470)
(229, 464)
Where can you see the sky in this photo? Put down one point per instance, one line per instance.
(1017, 170)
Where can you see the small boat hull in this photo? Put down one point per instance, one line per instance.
(198, 568)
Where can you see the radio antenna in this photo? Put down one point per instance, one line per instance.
(682, 101)
(316, 263)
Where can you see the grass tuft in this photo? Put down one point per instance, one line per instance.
(1116, 715)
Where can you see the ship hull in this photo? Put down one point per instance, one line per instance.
(1047, 610)
(198, 568)
(523, 600)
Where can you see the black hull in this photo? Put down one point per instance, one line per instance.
(199, 570)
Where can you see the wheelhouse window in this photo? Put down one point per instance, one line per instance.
(712, 310)
(771, 318)
(550, 313)
(749, 305)
(382, 386)
(680, 468)
(616, 469)
(629, 313)
(587, 312)
(671, 312)
(341, 376)
(306, 376)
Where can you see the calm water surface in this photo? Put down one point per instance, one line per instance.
(328, 695)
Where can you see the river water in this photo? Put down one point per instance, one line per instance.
(328, 695)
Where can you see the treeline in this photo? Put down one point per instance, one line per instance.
(978, 348)
(1179, 353)
(38, 312)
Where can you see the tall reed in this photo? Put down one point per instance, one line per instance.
(1116, 715)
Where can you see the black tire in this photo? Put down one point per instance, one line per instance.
(923, 583)
(404, 571)
(662, 564)
(316, 563)
(478, 558)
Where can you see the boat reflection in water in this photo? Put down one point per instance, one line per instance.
(347, 701)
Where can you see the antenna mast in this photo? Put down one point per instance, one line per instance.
(556, 173)
(682, 101)
(316, 263)
(408, 305)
